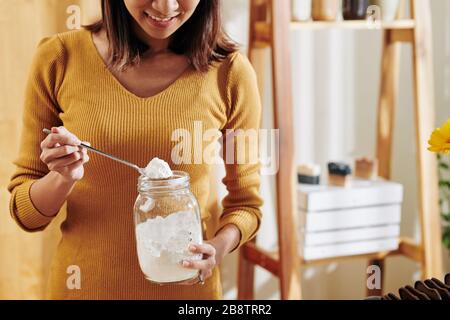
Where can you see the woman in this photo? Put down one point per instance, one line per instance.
(125, 84)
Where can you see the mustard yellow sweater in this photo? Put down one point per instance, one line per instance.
(70, 85)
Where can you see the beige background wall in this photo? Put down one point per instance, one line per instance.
(24, 257)
(326, 64)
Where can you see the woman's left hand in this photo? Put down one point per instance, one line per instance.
(212, 257)
(213, 251)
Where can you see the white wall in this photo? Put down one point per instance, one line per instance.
(336, 75)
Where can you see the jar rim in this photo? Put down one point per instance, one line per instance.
(178, 179)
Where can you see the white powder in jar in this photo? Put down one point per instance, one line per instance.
(158, 169)
(163, 243)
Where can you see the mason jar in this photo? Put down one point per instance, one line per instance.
(167, 220)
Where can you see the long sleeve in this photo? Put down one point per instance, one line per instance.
(241, 206)
(40, 111)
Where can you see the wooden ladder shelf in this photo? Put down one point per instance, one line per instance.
(270, 27)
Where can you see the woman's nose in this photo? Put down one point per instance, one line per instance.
(165, 7)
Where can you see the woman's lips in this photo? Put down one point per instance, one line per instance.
(161, 23)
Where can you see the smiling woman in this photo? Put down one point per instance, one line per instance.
(163, 18)
(125, 84)
(135, 26)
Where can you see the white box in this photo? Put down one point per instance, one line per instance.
(350, 218)
(361, 193)
(349, 235)
(360, 219)
(349, 249)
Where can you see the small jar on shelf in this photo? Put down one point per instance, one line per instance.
(301, 10)
(354, 9)
(325, 10)
(388, 8)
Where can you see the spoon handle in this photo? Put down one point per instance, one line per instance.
(104, 154)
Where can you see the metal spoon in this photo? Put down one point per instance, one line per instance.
(129, 164)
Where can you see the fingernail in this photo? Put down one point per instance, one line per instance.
(186, 263)
(192, 247)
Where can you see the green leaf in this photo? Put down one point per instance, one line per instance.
(444, 184)
(446, 216)
(443, 165)
(446, 237)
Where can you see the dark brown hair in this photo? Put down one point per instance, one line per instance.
(201, 38)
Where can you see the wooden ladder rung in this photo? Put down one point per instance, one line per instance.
(263, 258)
(401, 35)
(412, 250)
(263, 32)
(269, 260)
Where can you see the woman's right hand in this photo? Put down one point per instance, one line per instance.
(61, 152)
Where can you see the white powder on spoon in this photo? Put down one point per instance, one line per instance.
(158, 169)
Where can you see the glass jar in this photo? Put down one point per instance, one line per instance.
(301, 10)
(167, 220)
(355, 9)
(389, 8)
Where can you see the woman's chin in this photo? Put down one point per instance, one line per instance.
(159, 35)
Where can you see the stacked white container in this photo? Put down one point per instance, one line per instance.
(363, 218)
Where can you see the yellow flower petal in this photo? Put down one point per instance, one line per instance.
(440, 139)
(445, 130)
(446, 147)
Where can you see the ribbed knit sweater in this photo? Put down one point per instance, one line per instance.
(69, 85)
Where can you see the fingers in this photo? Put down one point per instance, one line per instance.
(62, 153)
(60, 148)
(60, 136)
(74, 166)
(84, 153)
(65, 161)
(57, 138)
(207, 249)
(190, 282)
(206, 265)
(203, 265)
(58, 152)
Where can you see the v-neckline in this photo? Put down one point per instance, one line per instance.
(110, 75)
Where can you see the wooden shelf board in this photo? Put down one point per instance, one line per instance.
(369, 256)
(405, 24)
